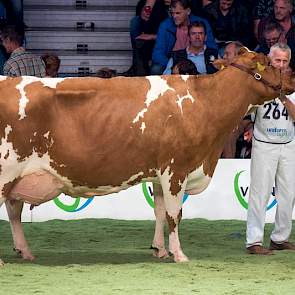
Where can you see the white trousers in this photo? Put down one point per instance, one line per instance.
(271, 163)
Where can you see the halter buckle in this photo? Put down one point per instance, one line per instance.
(257, 76)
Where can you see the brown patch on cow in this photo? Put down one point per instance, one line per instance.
(171, 222)
(100, 129)
(8, 187)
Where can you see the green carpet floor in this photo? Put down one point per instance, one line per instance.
(113, 257)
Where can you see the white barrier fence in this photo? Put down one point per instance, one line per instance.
(225, 198)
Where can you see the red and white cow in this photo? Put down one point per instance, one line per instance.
(92, 136)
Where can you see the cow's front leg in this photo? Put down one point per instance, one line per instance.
(158, 244)
(14, 210)
(173, 191)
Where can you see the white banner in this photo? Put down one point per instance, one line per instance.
(225, 198)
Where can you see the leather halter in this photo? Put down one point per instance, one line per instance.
(258, 77)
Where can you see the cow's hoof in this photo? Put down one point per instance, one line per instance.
(180, 258)
(28, 256)
(1, 263)
(160, 253)
(24, 254)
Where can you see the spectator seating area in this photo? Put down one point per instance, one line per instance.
(86, 34)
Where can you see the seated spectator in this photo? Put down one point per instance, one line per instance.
(20, 62)
(196, 51)
(52, 63)
(198, 5)
(231, 50)
(230, 21)
(143, 32)
(173, 35)
(185, 67)
(282, 14)
(106, 73)
(272, 34)
(261, 10)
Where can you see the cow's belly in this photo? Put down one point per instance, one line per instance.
(41, 186)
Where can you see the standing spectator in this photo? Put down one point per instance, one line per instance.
(197, 52)
(20, 62)
(273, 161)
(173, 34)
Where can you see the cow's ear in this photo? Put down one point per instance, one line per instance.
(243, 50)
(220, 63)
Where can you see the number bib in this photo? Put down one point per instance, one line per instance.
(273, 124)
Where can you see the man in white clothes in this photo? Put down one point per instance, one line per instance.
(273, 161)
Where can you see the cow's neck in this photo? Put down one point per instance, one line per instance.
(227, 97)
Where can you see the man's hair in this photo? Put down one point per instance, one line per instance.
(106, 73)
(13, 33)
(289, 2)
(52, 63)
(271, 26)
(238, 45)
(186, 67)
(184, 3)
(197, 24)
(280, 46)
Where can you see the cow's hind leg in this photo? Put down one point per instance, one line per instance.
(14, 210)
(158, 244)
(173, 204)
(2, 200)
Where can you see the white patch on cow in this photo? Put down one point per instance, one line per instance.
(26, 80)
(35, 133)
(158, 87)
(140, 115)
(197, 182)
(62, 165)
(52, 82)
(184, 77)
(3, 78)
(182, 98)
(142, 127)
(46, 135)
(172, 161)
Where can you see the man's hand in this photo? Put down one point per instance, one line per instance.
(147, 37)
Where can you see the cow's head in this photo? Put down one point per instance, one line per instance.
(267, 81)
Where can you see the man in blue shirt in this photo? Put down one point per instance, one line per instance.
(201, 55)
(173, 35)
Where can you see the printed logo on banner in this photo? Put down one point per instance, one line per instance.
(241, 188)
(78, 204)
(147, 189)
